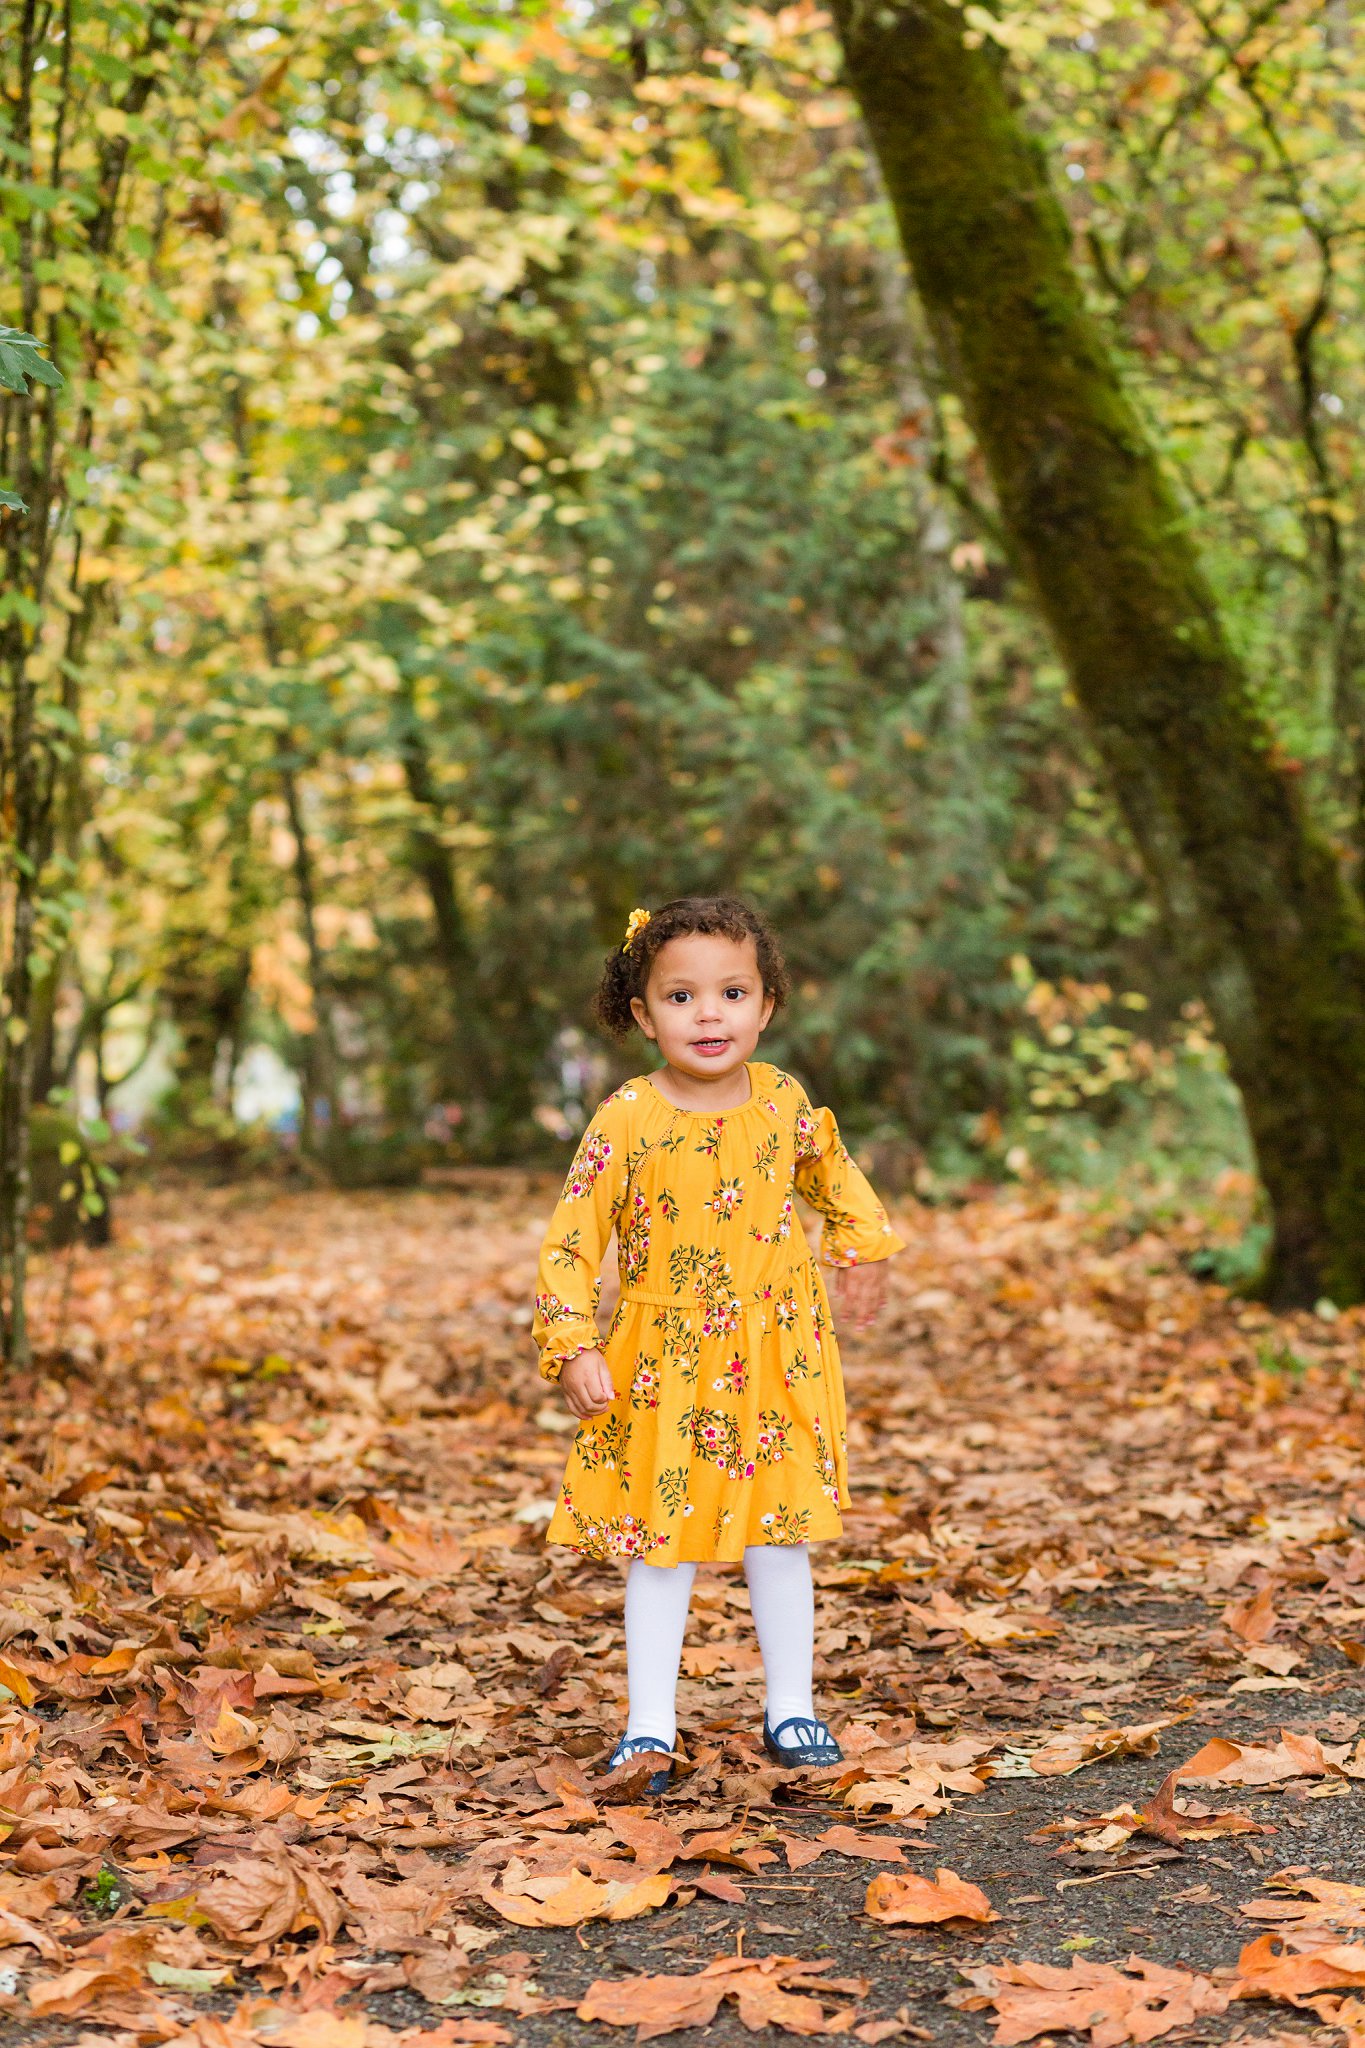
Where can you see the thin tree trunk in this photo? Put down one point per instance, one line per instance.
(1252, 892)
(320, 1082)
(33, 451)
(462, 1061)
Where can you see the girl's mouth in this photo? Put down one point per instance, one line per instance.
(709, 1047)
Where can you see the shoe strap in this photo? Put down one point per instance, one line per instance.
(820, 1736)
(637, 1745)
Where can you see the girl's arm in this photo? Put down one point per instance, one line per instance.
(568, 1282)
(856, 1232)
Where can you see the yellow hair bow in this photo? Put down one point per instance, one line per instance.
(635, 924)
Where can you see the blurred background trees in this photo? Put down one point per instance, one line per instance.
(501, 477)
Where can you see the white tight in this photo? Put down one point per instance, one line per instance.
(783, 1603)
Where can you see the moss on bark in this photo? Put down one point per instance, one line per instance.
(1252, 892)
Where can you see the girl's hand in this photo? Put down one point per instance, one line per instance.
(586, 1385)
(860, 1292)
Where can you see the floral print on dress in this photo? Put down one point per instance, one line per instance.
(710, 1276)
(774, 1429)
(794, 1369)
(671, 1488)
(681, 1343)
(786, 1525)
(601, 1445)
(825, 1468)
(603, 1536)
(783, 1228)
(728, 1426)
(634, 1241)
(593, 1156)
(708, 1144)
(644, 1388)
(551, 1310)
(715, 1437)
(726, 1199)
(732, 1380)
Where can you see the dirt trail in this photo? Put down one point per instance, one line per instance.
(290, 1665)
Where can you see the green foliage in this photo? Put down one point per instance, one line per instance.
(21, 364)
(516, 488)
(104, 1893)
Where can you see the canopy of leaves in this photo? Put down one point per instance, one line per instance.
(514, 486)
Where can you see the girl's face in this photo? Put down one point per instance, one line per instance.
(705, 1004)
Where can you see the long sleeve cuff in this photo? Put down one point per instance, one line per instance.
(567, 1339)
(858, 1243)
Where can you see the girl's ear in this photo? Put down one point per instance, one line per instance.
(769, 1004)
(642, 1017)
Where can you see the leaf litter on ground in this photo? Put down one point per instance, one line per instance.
(287, 1671)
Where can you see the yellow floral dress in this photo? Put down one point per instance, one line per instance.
(728, 1423)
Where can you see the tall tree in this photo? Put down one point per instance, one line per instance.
(74, 94)
(1254, 894)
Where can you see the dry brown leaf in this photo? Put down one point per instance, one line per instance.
(1328, 1904)
(721, 1845)
(1247, 1763)
(902, 1799)
(652, 1842)
(1253, 1619)
(113, 1962)
(918, 1901)
(324, 2027)
(871, 1848)
(1139, 2002)
(771, 1991)
(572, 1898)
(1071, 1749)
(266, 1895)
(801, 1850)
(237, 1585)
(1268, 1968)
(653, 2005)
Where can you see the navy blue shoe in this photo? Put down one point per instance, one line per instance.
(640, 1745)
(815, 1747)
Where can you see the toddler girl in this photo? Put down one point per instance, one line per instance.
(713, 1421)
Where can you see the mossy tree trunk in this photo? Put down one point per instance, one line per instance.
(1252, 892)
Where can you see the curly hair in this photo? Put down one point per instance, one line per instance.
(626, 970)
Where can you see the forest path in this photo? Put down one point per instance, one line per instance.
(292, 1667)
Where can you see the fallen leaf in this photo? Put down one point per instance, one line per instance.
(1138, 2002)
(921, 1902)
(113, 1962)
(267, 1894)
(801, 1850)
(1254, 1619)
(1071, 1749)
(1249, 1763)
(871, 1848)
(1327, 1904)
(576, 1897)
(771, 1991)
(1267, 1968)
